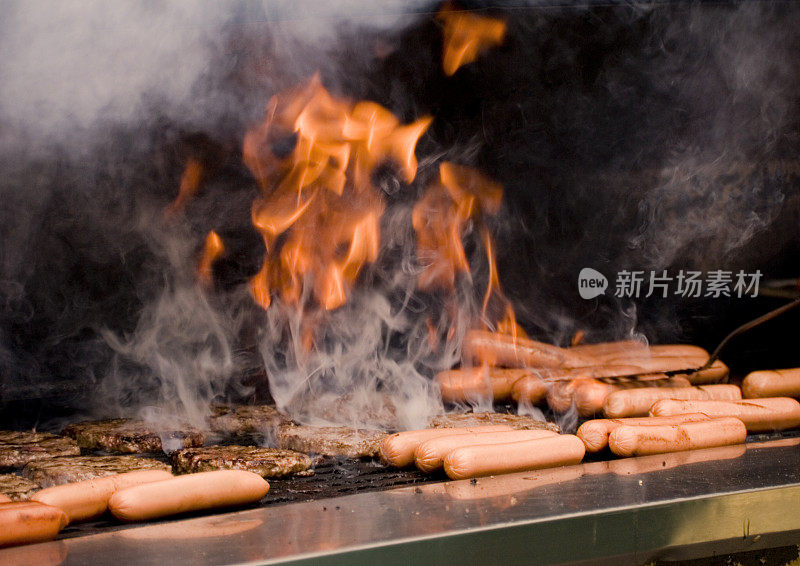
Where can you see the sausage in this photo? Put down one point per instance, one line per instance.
(759, 415)
(714, 374)
(24, 522)
(559, 395)
(475, 461)
(601, 349)
(4, 498)
(89, 499)
(531, 388)
(662, 363)
(594, 433)
(509, 351)
(678, 350)
(204, 490)
(429, 456)
(772, 383)
(637, 402)
(590, 395)
(562, 395)
(470, 384)
(398, 449)
(627, 440)
(658, 351)
(643, 371)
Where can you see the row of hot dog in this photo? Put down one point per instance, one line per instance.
(647, 412)
(131, 496)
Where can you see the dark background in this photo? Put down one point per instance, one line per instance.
(661, 136)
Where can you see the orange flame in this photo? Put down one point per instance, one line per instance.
(466, 36)
(440, 219)
(319, 200)
(190, 181)
(212, 250)
(507, 324)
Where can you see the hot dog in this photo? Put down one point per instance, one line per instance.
(531, 389)
(759, 415)
(656, 351)
(629, 440)
(714, 374)
(637, 402)
(204, 490)
(601, 349)
(398, 449)
(429, 456)
(590, 395)
(559, 394)
(510, 351)
(643, 372)
(24, 522)
(475, 461)
(594, 433)
(660, 363)
(678, 350)
(772, 383)
(89, 499)
(470, 384)
(4, 498)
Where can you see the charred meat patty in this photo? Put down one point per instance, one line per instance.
(17, 487)
(19, 448)
(132, 436)
(57, 471)
(456, 420)
(331, 440)
(266, 462)
(247, 421)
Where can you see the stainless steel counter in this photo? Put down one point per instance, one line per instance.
(673, 506)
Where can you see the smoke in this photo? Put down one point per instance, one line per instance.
(624, 137)
(72, 66)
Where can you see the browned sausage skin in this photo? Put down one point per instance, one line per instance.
(24, 522)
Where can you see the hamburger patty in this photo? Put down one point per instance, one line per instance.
(132, 436)
(331, 440)
(16, 487)
(455, 420)
(247, 421)
(59, 471)
(19, 448)
(266, 462)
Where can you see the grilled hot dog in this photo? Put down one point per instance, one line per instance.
(429, 456)
(772, 383)
(475, 461)
(637, 402)
(24, 522)
(204, 490)
(89, 499)
(630, 440)
(759, 415)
